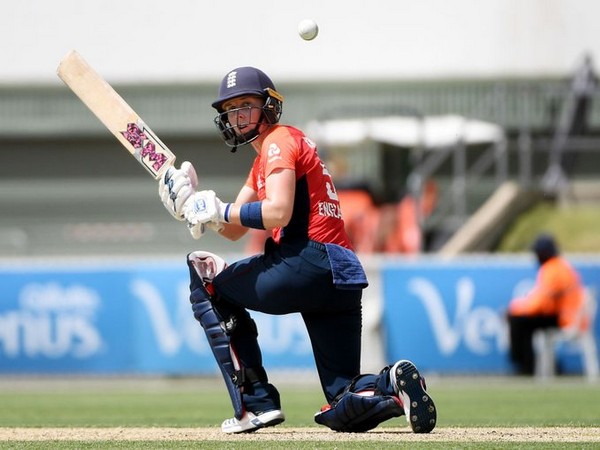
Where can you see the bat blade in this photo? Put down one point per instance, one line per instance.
(116, 115)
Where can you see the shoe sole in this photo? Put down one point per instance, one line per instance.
(419, 408)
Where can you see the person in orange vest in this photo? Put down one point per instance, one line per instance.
(554, 302)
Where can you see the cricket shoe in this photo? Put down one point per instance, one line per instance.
(418, 406)
(251, 422)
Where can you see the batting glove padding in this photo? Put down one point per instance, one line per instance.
(198, 230)
(176, 186)
(205, 207)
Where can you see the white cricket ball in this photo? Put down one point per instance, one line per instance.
(308, 29)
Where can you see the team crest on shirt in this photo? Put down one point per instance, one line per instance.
(273, 153)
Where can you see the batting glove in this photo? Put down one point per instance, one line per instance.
(205, 206)
(176, 186)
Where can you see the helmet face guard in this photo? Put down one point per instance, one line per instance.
(233, 133)
(246, 81)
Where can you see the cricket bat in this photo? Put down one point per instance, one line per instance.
(116, 115)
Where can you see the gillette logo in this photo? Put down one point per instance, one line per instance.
(231, 79)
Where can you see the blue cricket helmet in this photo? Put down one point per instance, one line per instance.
(246, 81)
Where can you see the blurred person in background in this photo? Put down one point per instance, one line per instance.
(555, 301)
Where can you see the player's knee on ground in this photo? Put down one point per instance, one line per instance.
(358, 413)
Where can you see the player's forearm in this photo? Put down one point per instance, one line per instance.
(259, 215)
(233, 231)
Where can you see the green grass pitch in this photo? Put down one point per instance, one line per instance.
(189, 402)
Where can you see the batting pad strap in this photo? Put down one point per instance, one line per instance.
(251, 215)
(249, 376)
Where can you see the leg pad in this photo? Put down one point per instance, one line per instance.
(217, 339)
(359, 412)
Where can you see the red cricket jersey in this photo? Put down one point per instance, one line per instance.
(317, 214)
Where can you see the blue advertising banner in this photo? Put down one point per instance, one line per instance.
(57, 322)
(449, 316)
(135, 318)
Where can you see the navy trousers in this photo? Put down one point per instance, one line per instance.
(294, 278)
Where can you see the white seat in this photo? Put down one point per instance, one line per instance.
(545, 342)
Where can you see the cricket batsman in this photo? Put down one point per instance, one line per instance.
(308, 267)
